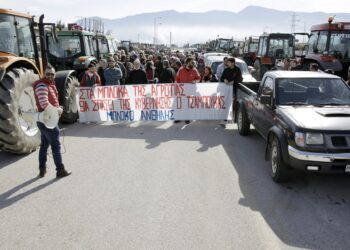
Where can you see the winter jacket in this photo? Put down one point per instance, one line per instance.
(89, 81)
(137, 76)
(232, 75)
(167, 76)
(113, 76)
(209, 78)
(45, 93)
(100, 72)
(185, 75)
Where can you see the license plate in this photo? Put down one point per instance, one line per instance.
(347, 169)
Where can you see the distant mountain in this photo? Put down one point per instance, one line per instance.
(200, 27)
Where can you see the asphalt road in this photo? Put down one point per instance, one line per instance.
(167, 186)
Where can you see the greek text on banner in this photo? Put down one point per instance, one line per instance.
(155, 102)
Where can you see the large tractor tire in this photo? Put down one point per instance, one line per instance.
(68, 99)
(17, 96)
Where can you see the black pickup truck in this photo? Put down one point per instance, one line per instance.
(304, 118)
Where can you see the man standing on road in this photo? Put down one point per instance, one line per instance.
(46, 94)
(187, 74)
(232, 75)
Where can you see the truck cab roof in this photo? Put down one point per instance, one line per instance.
(299, 74)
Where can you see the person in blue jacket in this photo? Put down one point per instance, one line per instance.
(112, 74)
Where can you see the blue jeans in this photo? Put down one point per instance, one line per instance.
(49, 137)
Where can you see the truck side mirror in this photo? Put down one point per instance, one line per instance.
(265, 99)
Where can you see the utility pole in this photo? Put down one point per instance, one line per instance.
(155, 38)
(293, 22)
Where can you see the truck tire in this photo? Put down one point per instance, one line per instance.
(68, 100)
(243, 123)
(16, 95)
(279, 170)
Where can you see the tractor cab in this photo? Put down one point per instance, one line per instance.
(276, 46)
(329, 46)
(101, 46)
(74, 50)
(273, 47)
(17, 37)
(224, 45)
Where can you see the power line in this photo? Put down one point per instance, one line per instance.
(294, 22)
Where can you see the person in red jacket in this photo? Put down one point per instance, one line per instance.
(188, 73)
(90, 77)
(46, 94)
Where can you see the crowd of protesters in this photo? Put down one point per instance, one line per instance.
(148, 67)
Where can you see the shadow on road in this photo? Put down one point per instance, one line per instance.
(153, 136)
(7, 159)
(311, 211)
(7, 199)
(308, 212)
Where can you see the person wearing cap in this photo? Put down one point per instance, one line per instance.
(112, 74)
(137, 76)
(168, 73)
(90, 77)
(46, 94)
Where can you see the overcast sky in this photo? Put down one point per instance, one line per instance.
(69, 10)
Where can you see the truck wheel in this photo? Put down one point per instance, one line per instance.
(243, 123)
(16, 96)
(279, 170)
(68, 100)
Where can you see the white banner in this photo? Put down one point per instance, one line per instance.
(155, 102)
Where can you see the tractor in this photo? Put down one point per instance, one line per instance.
(23, 59)
(273, 47)
(329, 47)
(74, 50)
(77, 48)
(250, 48)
